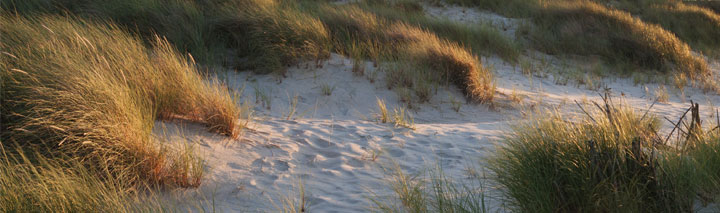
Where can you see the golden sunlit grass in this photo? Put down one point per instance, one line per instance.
(696, 25)
(585, 27)
(91, 92)
(51, 185)
(269, 35)
(630, 42)
(449, 61)
(480, 38)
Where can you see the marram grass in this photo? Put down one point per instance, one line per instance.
(610, 159)
(89, 91)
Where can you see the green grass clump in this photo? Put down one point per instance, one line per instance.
(449, 61)
(588, 28)
(92, 92)
(274, 34)
(611, 159)
(480, 38)
(187, 24)
(552, 164)
(696, 25)
(363, 34)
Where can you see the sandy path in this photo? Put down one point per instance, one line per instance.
(329, 143)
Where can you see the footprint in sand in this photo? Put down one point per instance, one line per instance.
(354, 162)
(329, 154)
(423, 142)
(322, 143)
(445, 154)
(287, 121)
(235, 166)
(394, 152)
(300, 140)
(260, 163)
(338, 127)
(297, 132)
(281, 165)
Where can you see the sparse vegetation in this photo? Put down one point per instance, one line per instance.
(431, 191)
(456, 104)
(326, 89)
(383, 115)
(400, 116)
(297, 204)
(292, 108)
(661, 94)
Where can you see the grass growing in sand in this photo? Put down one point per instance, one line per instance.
(400, 116)
(86, 93)
(589, 28)
(357, 32)
(269, 35)
(431, 191)
(612, 157)
(630, 43)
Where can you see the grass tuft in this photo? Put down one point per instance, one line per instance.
(589, 28)
(450, 62)
(611, 158)
(92, 92)
(274, 34)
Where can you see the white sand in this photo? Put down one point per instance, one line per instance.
(329, 147)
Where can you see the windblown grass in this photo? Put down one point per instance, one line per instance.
(587, 28)
(188, 25)
(696, 25)
(274, 34)
(610, 159)
(47, 185)
(590, 28)
(480, 38)
(36, 183)
(450, 62)
(90, 91)
(269, 35)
